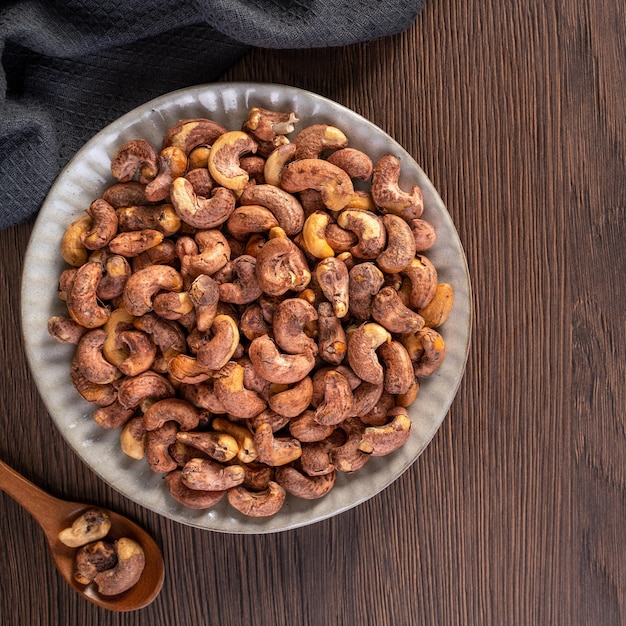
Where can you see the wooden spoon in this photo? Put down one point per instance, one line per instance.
(53, 515)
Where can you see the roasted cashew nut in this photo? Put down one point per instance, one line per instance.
(387, 194)
(369, 229)
(65, 330)
(236, 399)
(198, 211)
(276, 367)
(400, 249)
(365, 282)
(82, 300)
(436, 312)
(133, 243)
(306, 428)
(247, 450)
(313, 140)
(135, 156)
(73, 249)
(332, 277)
(314, 235)
(130, 565)
(215, 352)
(141, 352)
(147, 386)
(337, 403)
(362, 346)
(191, 133)
(92, 558)
(275, 162)
(224, 159)
(382, 440)
(264, 124)
(334, 184)
(433, 353)
(331, 337)
(424, 235)
(257, 503)
(208, 475)
(284, 206)
(302, 486)
(252, 218)
(214, 253)
(91, 362)
(158, 444)
(92, 525)
(389, 311)
(293, 401)
(131, 193)
(191, 498)
(291, 317)
(116, 272)
(348, 457)
(144, 284)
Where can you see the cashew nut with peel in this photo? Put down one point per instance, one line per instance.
(251, 218)
(291, 317)
(247, 450)
(400, 249)
(136, 155)
(348, 457)
(215, 352)
(158, 444)
(92, 558)
(264, 124)
(141, 352)
(365, 282)
(369, 229)
(433, 352)
(91, 362)
(198, 211)
(82, 300)
(208, 475)
(382, 440)
(192, 498)
(306, 428)
(332, 277)
(205, 295)
(214, 253)
(171, 409)
(92, 525)
(130, 565)
(147, 386)
(337, 403)
(65, 330)
(423, 276)
(257, 503)
(436, 312)
(144, 284)
(313, 140)
(399, 375)
(284, 206)
(73, 249)
(189, 133)
(277, 367)
(302, 486)
(219, 446)
(331, 338)
(172, 164)
(389, 311)
(362, 346)
(387, 194)
(275, 451)
(293, 401)
(224, 159)
(104, 223)
(355, 163)
(281, 265)
(231, 392)
(334, 184)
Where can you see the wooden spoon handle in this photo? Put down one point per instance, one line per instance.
(41, 505)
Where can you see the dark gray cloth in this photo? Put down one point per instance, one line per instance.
(70, 67)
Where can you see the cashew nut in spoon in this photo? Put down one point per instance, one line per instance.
(54, 516)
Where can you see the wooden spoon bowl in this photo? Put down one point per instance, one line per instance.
(53, 515)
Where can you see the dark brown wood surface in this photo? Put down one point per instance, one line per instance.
(516, 512)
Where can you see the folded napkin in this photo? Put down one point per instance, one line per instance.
(70, 67)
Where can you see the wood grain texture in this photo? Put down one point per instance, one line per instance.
(515, 514)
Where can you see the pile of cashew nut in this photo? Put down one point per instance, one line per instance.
(251, 319)
(114, 566)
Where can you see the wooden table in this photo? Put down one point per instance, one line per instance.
(516, 512)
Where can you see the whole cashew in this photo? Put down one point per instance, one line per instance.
(332, 277)
(252, 218)
(423, 276)
(190, 133)
(291, 317)
(387, 194)
(400, 249)
(389, 311)
(257, 503)
(337, 403)
(204, 294)
(144, 284)
(302, 486)
(306, 428)
(73, 249)
(334, 184)
(198, 211)
(284, 206)
(82, 301)
(219, 446)
(130, 565)
(215, 352)
(171, 409)
(224, 159)
(192, 498)
(369, 229)
(365, 280)
(275, 451)
(277, 367)
(172, 163)
(382, 440)
(313, 140)
(208, 475)
(399, 375)
(236, 399)
(354, 162)
(362, 346)
(104, 223)
(135, 156)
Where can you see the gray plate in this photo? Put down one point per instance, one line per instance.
(84, 179)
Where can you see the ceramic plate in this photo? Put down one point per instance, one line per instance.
(84, 179)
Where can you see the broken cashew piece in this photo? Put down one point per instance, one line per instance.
(92, 525)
